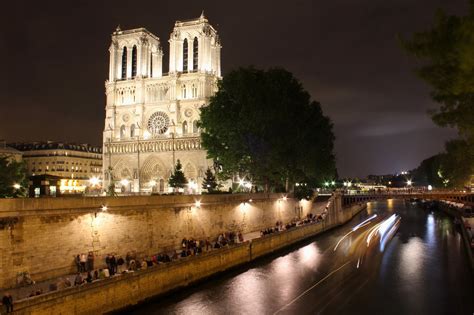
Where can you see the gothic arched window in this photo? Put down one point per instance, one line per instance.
(184, 91)
(185, 127)
(185, 55)
(122, 132)
(134, 61)
(195, 126)
(195, 54)
(132, 131)
(124, 63)
(194, 91)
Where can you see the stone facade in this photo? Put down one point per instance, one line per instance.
(42, 236)
(151, 117)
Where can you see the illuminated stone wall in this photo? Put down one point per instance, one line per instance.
(129, 289)
(42, 236)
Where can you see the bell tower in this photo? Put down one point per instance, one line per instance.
(134, 53)
(195, 47)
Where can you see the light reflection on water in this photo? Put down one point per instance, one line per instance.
(248, 290)
(424, 257)
(430, 230)
(412, 258)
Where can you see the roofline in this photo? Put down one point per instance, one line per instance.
(135, 30)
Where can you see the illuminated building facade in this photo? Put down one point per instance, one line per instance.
(74, 164)
(151, 117)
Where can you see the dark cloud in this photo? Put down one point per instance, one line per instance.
(55, 59)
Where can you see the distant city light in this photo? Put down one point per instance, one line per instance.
(430, 187)
(124, 182)
(16, 186)
(103, 208)
(198, 204)
(409, 182)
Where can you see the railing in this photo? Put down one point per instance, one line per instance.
(154, 145)
(458, 196)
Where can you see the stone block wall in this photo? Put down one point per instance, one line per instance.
(42, 236)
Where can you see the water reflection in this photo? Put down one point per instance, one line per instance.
(412, 260)
(310, 256)
(415, 274)
(430, 230)
(248, 291)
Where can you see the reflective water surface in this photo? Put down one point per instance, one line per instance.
(419, 268)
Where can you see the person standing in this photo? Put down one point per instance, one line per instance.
(90, 261)
(83, 262)
(7, 302)
(77, 260)
(113, 265)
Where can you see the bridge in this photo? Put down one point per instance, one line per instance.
(466, 198)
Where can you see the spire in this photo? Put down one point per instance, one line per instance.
(202, 15)
(118, 29)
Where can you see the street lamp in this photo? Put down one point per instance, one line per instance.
(409, 182)
(16, 186)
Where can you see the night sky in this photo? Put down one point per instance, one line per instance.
(56, 58)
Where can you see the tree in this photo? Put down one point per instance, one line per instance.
(263, 125)
(177, 179)
(209, 182)
(13, 179)
(447, 52)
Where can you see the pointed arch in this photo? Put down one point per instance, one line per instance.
(195, 53)
(122, 170)
(185, 127)
(195, 126)
(190, 171)
(183, 90)
(122, 132)
(152, 169)
(132, 131)
(134, 61)
(124, 63)
(185, 55)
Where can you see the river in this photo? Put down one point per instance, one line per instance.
(421, 268)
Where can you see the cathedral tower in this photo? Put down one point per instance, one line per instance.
(152, 118)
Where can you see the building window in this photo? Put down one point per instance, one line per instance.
(122, 132)
(195, 54)
(151, 65)
(195, 126)
(185, 55)
(185, 127)
(132, 131)
(124, 63)
(134, 61)
(184, 91)
(194, 91)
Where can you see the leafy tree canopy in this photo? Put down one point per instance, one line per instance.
(13, 179)
(447, 52)
(451, 168)
(263, 125)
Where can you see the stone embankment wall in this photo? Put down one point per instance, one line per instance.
(42, 236)
(129, 289)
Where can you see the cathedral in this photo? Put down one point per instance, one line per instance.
(151, 116)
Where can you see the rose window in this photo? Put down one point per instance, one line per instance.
(158, 123)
